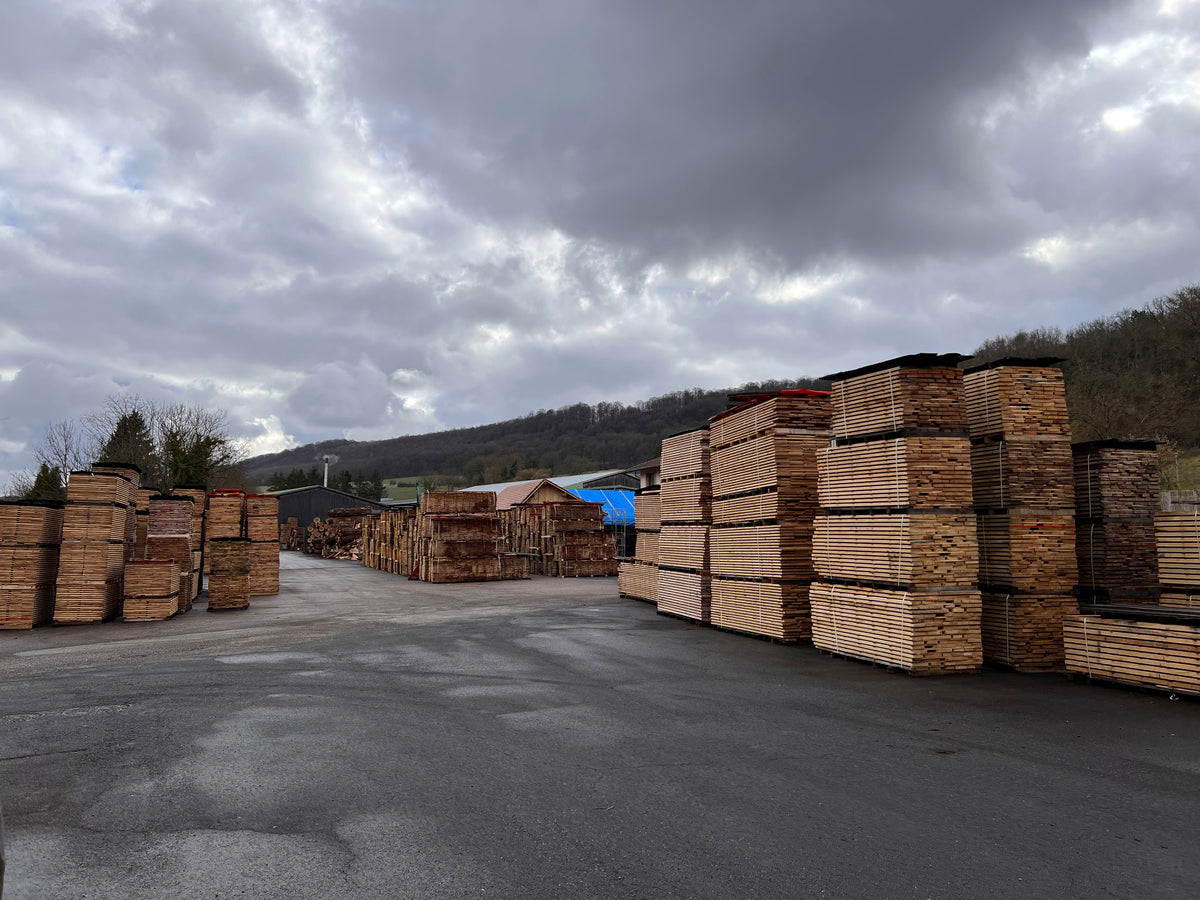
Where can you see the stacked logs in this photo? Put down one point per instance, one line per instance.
(684, 580)
(262, 530)
(1024, 497)
(169, 537)
(764, 485)
(199, 498)
(92, 557)
(1116, 499)
(340, 536)
(638, 577)
(895, 548)
(1178, 541)
(30, 533)
(229, 573)
(152, 590)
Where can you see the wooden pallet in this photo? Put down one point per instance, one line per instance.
(1152, 654)
(767, 608)
(924, 634)
(910, 472)
(1017, 401)
(921, 551)
(1028, 552)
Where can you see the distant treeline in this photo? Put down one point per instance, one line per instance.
(1131, 375)
(579, 438)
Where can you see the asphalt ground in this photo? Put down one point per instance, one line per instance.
(364, 736)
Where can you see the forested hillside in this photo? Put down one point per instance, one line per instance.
(579, 438)
(1135, 374)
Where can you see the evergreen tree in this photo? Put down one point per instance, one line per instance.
(47, 485)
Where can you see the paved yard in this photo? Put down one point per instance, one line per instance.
(364, 736)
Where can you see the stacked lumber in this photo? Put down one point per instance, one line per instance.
(575, 544)
(1117, 497)
(170, 536)
(88, 587)
(340, 535)
(262, 529)
(1177, 535)
(764, 474)
(685, 513)
(291, 535)
(133, 475)
(229, 573)
(30, 535)
(226, 518)
(638, 577)
(1163, 654)
(151, 591)
(895, 549)
(1024, 496)
(389, 541)
(199, 498)
(455, 502)
(457, 547)
(926, 633)
(142, 526)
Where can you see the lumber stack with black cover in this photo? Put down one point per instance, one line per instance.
(1116, 499)
(30, 535)
(638, 577)
(764, 484)
(684, 580)
(262, 529)
(1024, 497)
(91, 560)
(895, 547)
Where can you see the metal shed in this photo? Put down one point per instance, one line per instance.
(315, 502)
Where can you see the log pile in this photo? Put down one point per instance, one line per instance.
(895, 548)
(1116, 499)
(88, 587)
(152, 590)
(684, 580)
(170, 537)
(764, 482)
(340, 535)
(1178, 542)
(638, 577)
(229, 573)
(262, 529)
(1152, 653)
(30, 536)
(1024, 497)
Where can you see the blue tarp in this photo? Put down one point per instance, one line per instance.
(618, 505)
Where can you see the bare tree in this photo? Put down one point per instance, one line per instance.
(66, 446)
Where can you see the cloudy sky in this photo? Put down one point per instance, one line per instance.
(366, 218)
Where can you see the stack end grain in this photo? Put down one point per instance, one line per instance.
(638, 577)
(169, 537)
(895, 547)
(1178, 542)
(92, 555)
(684, 579)
(229, 573)
(1024, 498)
(133, 475)
(30, 533)
(262, 530)
(764, 485)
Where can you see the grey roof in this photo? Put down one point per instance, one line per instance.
(563, 481)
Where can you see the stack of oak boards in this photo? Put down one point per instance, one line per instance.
(133, 475)
(459, 535)
(389, 541)
(1137, 644)
(638, 577)
(764, 485)
(228, 573)
(1178, 540)
(30, 533)
(1024, 497)
(169, 537)
(262, 530)
(1116, 499)
(575, 542)
(151, 591)
(226, 518)
(199, 496)
(91, 560)
(895, 547)
(684, 580)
